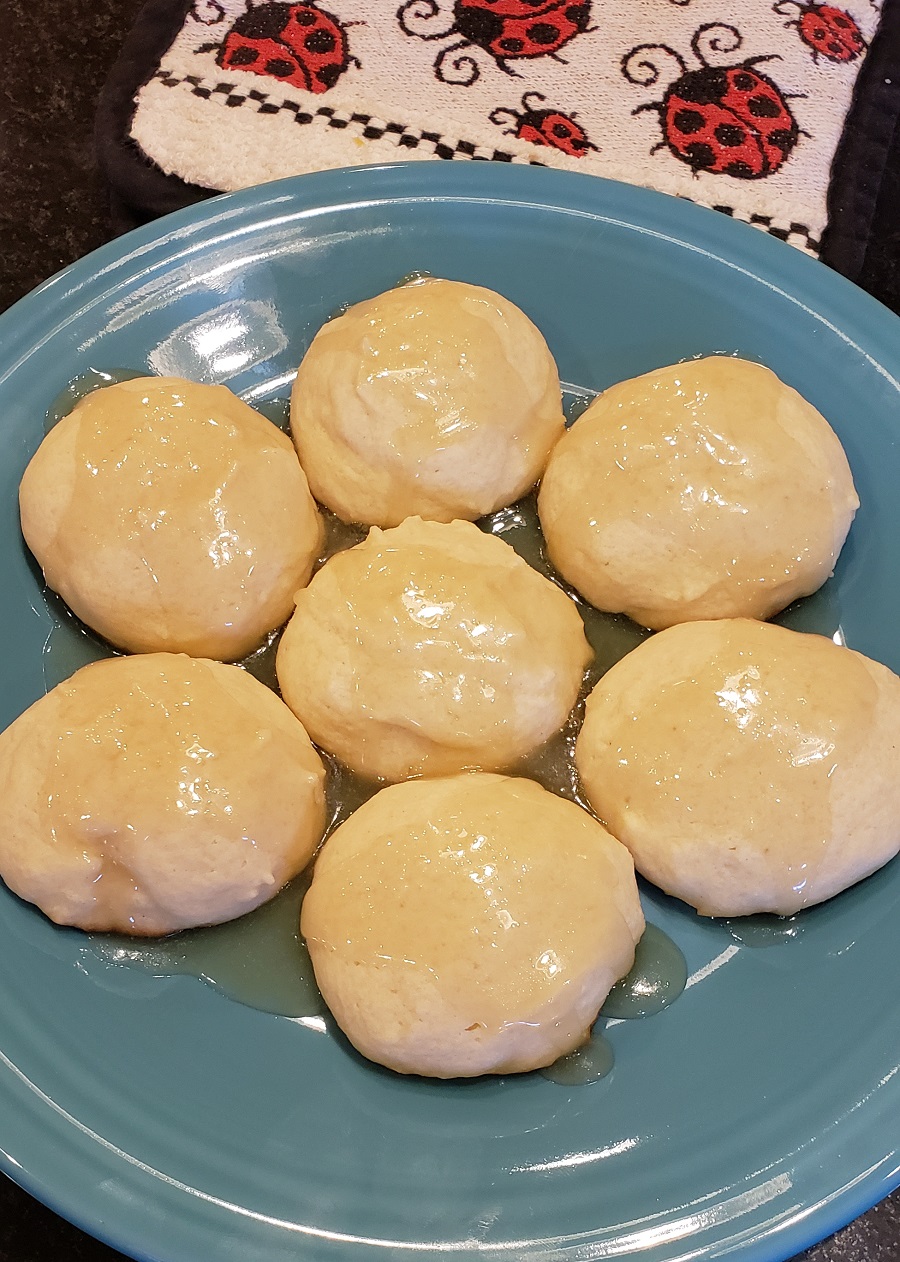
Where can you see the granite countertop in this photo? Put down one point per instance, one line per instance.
(54, 210)
(54, 204)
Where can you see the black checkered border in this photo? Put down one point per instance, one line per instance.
(366, 125)
(797, 234)
(369, 127)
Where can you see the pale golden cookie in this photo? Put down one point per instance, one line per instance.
(171, 517)
(470, 925)
(429, 649)
(436, 399)
(746, 767)
(709, 489)
(157, 792)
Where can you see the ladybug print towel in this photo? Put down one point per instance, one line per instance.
(737, 107)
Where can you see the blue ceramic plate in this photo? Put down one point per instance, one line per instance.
(757, 1113)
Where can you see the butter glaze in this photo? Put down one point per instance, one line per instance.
(656, 978)
(157, 792)
(436, 399)
(83, 385)
(469, 925)
(589, 1063)
(703, 490)
(429, 649)
(260, 958)
(171, 516)
(747, 767)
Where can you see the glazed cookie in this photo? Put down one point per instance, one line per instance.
(436, 399)
(171, 517)
(153, 793)
(709, 489)
(746, 767)
(470, 925)
(431, 648)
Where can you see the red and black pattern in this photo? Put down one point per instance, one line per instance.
(507, 30)
(829, 32)
(298, 44)
(207, 12)
(729, 120)
(548, 127)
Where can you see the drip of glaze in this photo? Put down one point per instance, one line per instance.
(261, 664)
(259, 960)
(576, 400)
(83, 385)
(338, 536)
(764, 930)
(610, 635)
(819, 613)
(410, 279)
(656, 978)
(69, 644)
(588, 1063)
(278, 411)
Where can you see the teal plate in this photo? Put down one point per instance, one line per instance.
(757, 1113)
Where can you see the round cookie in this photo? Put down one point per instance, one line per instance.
(708, 489)
(469, 925)
(154, 793)
(171, 517)
(746, 767)
(436, 399)
(431, 648)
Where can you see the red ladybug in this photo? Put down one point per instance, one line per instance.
(828, 31)
(298, 44)
(544, 127)
(513, 8)
(730, 120)
(506, 29)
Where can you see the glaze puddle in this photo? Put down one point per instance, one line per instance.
(278, 411)
(86, 383)
(610, 635)
(764, 930)
(586, 1064)
(656, 979)
(69, 644)
(260, 960)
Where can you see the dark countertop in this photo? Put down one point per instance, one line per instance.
(54, 204)
(54, 210)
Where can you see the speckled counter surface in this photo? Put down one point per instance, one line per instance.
(53, 211)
